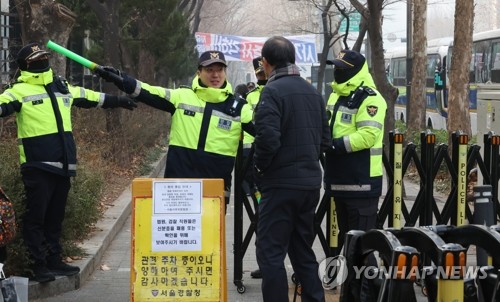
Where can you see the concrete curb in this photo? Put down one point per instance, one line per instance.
(109, 225)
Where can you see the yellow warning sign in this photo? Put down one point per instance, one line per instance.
(178, 240)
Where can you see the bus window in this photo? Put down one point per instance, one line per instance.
(481, 57)
(495, 56)
(399, 72)
(432, 64)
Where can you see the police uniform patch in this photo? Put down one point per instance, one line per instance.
(189, 112)
(224, 124)
(66, 102)
(372, 110)
(346, 118)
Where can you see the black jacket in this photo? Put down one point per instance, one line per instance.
(291, 133)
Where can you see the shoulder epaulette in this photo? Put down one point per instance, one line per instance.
(61, 84)
(369, 90)
(10, 85)
(256, 88)
(185, 87)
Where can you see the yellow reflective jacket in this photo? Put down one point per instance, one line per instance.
(357, 112)
(205, 129)
(252, 99)
(44, 122)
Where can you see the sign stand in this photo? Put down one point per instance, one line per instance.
(178, 248)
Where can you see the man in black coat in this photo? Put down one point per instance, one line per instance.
(291, 133)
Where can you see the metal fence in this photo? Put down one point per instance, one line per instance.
(395, 210)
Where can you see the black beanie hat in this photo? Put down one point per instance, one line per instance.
(33, 58)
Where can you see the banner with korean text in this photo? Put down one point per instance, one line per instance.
(241, 48)
(178, 240)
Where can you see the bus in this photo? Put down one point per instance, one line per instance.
(484, 68)
(436, 96)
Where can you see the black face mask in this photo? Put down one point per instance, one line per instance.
(34, 66)
(38, 66)
(343, 75)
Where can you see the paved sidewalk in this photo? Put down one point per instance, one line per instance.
(109, 225)
(105, 272)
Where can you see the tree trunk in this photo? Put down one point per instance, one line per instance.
(417, 103)
(327, 38)
(108, 16)
(44, 20)
(378, 64)
(458, 103)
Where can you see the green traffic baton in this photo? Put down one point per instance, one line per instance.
(83, 61)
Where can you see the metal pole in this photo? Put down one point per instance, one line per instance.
(483, 215)
(409, 56)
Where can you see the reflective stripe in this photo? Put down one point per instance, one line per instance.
(225, 116)
(330, 107)
(247, 146)
(191, 107)
(59, 165)
(362, 188)
(82, 92)
(347, 144)
(167, 94)
(13, 98)
(347, 110)
(35, 97)
(376, 151)
(102, 97)
(58, 94)
(137, 89)
(369, 123)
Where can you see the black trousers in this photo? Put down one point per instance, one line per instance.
(46, 196)
(359, 214)
(286, 225)
(355, 214)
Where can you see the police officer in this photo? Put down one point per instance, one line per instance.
(42, 104)
(353, 173)
(207, 119)
(252, 99)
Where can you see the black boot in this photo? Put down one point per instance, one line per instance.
(256, 274)
(42, 274)
(59, 268)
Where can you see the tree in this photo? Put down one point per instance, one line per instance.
(107, 13)
(44, 20)
(170, 53)
(192, 9)
(374, 22)
(458, 102)
(417, 102)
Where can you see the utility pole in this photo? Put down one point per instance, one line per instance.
(409, 55)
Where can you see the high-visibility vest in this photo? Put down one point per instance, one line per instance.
(252, 99)
(44, 127)
(357, 116)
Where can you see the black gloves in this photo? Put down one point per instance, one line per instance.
(126, 103)
(7, 109)
(16, 105)
(121, 80)
(338, 146)
(110, 74)
(113, 101)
